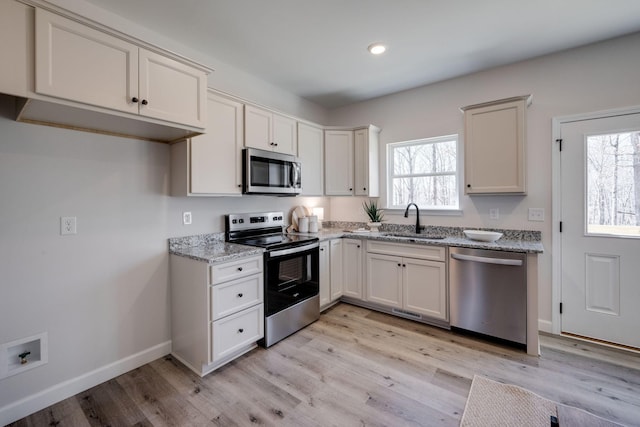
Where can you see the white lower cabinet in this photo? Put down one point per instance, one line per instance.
(384, 284)
(325, 274)
(217, 310)
(408, 277)
(352, 251)
(336, 263)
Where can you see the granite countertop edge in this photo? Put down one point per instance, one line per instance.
(211, 248)
(503, 244)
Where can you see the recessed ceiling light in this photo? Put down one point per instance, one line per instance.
(377, 48)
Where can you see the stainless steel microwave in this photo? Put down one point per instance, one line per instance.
(266, 172)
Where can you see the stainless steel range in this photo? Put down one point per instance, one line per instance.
(291, 271)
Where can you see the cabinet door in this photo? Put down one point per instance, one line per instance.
(172, 91)
(494, 145)
(325, 274)
(257, 128)
(338, 163)
(352, 268)
(285, 134)
(16, 47)
(384, 280)
(335, 252)
(310, 152)
(215, 157)
(425, 287)
(366, 163)
(81, 64)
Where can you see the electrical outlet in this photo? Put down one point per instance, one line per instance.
(186, 218)
(494, 213)
(68, 225)
(536, 214)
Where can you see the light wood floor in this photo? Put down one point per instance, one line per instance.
(355, 367)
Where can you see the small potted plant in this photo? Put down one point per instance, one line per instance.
(375, 215)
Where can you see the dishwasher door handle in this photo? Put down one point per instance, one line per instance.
(487, 260)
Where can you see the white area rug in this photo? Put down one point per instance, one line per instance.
(491, 403)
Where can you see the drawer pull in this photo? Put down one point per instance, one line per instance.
(240, 295)
(240, 330)
(239, 268)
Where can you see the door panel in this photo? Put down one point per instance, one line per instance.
(600, 239)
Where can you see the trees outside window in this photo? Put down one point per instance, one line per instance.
(424, 172)
(613, 184)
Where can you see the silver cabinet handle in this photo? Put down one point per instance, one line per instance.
(487, 260)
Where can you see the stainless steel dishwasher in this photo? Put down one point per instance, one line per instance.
(488, 293)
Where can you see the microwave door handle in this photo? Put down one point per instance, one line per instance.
(295, 174)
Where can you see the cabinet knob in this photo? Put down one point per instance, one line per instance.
(134, 99)
(144, 102)
(322, 249)
(351, 189)
(399, 265)
(364, 188)
(468, 185)
(358, 246)
(240, 330)
(239, 268)
(404, 265)
(240, 295)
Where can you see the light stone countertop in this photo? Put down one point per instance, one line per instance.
(511, 241)
(211, 248)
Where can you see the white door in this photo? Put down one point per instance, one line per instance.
(335, 266)
(600, 238)
(384, 280)
(425, 287)
(352, 268)
(325, 274)
(338, 163)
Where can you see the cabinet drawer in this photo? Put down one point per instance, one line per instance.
(230, 297)
(236, 331)
(234, 269)
(434, 253)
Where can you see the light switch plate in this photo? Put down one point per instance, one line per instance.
(494, 213)
(536, 214)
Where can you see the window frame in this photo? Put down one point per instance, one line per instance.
(429, 209)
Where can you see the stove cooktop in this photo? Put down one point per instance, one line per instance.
(276, 241)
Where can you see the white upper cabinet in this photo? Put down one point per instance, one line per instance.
(74, 62)
(311, 154)
(270, 131)
(173, 91)
(366, 167)
(338, 162)
(16, 39)
(82, 64)
(210, 164)
(494, 147)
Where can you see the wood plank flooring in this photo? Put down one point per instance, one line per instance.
(355, 367)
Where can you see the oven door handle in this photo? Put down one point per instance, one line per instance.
(282, 252)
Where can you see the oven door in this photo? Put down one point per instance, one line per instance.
(266, 172)
(291, 276)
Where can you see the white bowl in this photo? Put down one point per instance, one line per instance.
(483, 236)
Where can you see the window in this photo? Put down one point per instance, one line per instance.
(613, 184)
(423, 172)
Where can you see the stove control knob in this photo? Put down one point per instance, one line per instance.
(241, 221)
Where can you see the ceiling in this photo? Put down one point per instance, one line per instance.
(317, 49)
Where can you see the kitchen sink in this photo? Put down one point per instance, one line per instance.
(414, 236)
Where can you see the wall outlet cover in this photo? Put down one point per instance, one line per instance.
(494, 213)
(186, 218)
(68, 225)
(536, 214)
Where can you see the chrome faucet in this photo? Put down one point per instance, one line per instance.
(406, 215)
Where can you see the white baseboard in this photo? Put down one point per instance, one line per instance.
(30, 404)
(545, 326)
